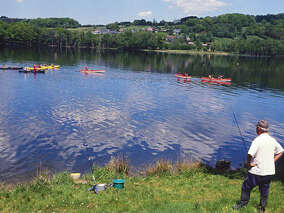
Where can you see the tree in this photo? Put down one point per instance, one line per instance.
(113, 26)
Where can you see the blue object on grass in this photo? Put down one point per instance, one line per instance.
(118, 183)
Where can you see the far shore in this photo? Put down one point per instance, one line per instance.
(191, 52)
(198, 52)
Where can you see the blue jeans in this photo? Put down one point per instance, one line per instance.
(263, 183)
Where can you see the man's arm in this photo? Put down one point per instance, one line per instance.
(276, 157)
(249, 163)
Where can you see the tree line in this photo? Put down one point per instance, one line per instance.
(235, 33)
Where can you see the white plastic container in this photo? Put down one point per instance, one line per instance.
(100, 187)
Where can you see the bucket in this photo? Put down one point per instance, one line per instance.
(118, 183)
(100, 187)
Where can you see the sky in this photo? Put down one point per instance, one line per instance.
(110, 11)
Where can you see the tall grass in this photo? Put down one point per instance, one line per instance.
(118, 164)
(161, 167)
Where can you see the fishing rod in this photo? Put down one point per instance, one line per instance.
(239, 130)
(236, 121)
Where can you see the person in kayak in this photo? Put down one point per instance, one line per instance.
(86, 68)
(262, 155)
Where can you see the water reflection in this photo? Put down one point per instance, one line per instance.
(69, 120)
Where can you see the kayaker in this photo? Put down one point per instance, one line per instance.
(210, 77)
(86, 68)
(220, 76)
(262, 155)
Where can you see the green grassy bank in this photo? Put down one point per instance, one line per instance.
(161, 188)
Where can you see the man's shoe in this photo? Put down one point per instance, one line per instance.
(239, 205)
(261, 209)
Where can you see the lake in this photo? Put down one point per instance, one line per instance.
(68, 120)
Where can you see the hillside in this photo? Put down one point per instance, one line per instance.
(261, 35)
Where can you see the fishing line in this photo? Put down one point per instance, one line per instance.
(244, 142)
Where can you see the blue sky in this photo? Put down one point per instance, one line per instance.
(109, 11)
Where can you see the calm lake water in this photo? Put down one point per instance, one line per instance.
(67, 120)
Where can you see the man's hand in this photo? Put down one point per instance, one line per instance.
(276, 157)
(252, 164)
(249, 163)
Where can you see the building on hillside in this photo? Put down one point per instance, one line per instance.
(190, 43)
(149, 29)
(163, 30)
(176, 31)
(104, 31)
(171, 38)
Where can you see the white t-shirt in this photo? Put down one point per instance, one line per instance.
(262, 150)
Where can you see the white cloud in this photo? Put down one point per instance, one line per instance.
(196, 7)
(20, 1)
(145, 14)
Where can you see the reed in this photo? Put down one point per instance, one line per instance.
(186, 165)
(161, 167)
(119, 165)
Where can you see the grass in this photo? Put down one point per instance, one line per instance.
(182, 187)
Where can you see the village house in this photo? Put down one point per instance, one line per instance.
(149, 29)
(171, 38)
(104, 31)
(176, 31)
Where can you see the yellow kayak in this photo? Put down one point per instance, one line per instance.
(32, 68)
(51, 67)
(43, 67)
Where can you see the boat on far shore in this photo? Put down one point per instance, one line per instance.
(10, 68)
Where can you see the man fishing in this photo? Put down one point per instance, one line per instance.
(262, 155)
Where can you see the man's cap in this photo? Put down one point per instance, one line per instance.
(262, 124)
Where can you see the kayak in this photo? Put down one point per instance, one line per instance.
(51, 67)
(183, 76)
(32, 71)
(11, 68)
(36, 68)
(43, 67)
(216, 82)
(216, 79)
(93, 71)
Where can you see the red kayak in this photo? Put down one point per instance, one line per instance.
(216, 79)
(216, 82)
(93, 71)
(183, 76)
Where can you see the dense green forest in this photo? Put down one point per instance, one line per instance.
(261, 35)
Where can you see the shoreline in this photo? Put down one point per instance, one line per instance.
(164, 187)
(181, 52)
(219, 53)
